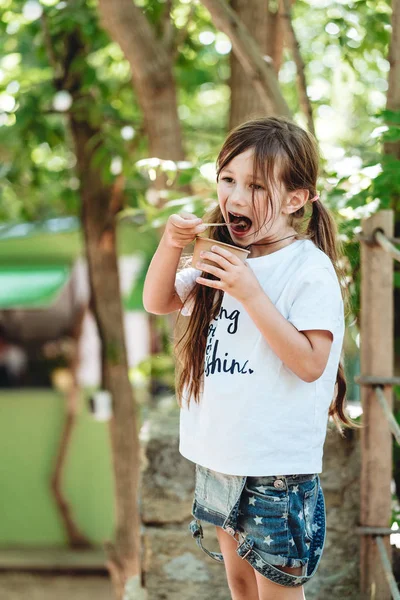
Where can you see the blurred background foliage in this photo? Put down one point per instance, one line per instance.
(347, 80)
(345, 50)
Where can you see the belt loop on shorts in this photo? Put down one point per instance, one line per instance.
(196, 530)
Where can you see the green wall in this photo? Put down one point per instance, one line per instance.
(30, 427)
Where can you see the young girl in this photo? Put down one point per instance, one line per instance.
(259, 358)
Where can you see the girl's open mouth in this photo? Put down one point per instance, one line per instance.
(239, 224)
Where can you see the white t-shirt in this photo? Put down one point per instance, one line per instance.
(255, 416)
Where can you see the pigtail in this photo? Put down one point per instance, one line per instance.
(190, 344)
(323, 231)
(337, 407)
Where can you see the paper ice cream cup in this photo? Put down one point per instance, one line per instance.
(203, 244)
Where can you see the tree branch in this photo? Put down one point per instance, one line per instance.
(275, 34)
(127, 24)
(258, 70)
(300, 67)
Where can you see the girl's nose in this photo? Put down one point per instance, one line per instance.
(238, 197)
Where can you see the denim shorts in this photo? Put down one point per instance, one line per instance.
(278, 520)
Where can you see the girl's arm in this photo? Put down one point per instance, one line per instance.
(159, 294)
(304, 352)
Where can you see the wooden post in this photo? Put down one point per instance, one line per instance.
(377, 359)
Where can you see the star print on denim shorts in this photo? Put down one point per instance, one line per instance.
(276, 520)
(280, 521)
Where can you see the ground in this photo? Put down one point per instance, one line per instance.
(34, 586)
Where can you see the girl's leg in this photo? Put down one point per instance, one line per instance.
(268, 590)
(240, 574)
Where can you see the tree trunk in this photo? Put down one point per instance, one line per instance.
(151, 64)
(260, 72)
(275, 35)
(99, 230)
(393, 148)
(266, 28)
(151, 61)
(393, 94)
(99, 207)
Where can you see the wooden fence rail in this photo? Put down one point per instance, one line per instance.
(377, 367)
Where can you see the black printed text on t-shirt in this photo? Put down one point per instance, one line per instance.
(226, 364)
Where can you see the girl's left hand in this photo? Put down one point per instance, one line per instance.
(235, 277)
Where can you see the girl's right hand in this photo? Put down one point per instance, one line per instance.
(182, 229)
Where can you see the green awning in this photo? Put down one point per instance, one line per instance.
(36, 260)
(33, 286)
(60, 241)
(38, 286)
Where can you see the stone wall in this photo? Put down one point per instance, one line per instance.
(175, 568)
(338, 573)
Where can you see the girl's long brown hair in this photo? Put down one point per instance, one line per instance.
(279, 146)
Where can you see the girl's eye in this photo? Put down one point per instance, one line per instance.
(256, 187)
(227, 179)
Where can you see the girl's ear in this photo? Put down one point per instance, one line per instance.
(294, 201)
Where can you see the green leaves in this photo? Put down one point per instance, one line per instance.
(344, 46)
